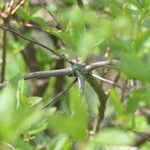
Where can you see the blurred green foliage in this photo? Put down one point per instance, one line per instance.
(121, 25)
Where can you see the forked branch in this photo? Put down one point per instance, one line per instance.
(66, 71)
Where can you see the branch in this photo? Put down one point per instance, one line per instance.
(50, 13)
(117, 78)
(56, 99)
(98, 64)
(19, 4)
(51, 73)
(108, 81)
(35, 42)
(10, 9)
(3, 69)
(66, 71)
(101, 96)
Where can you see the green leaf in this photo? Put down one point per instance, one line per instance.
(54, 32)
(34, 10)
(114, 137)
(134, 68)
(61, 142)
(145, 146)
(75, 124)
(38, 128)
(22, 99)
(15, 67)
(24, 12)
(141, 124)
(7, 100)
(115, 8)
(137, 97)
(34, 100)
(39, 21)
(116, 102)
(15, 121)
(141, 42)
(76, 20)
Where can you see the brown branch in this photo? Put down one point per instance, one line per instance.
(66, 71)
(51, 73)
(35, 42)
(56, 99)
(101, 96)
(5, 13)
(10, 9)
(19, 4)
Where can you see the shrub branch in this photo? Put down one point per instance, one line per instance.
(37, 43)
(4, 47)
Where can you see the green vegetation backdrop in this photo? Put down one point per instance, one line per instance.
(74, 74)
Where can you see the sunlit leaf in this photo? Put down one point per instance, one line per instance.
(39, 21)
(114, 137)
(22, 99)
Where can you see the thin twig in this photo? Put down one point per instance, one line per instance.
(34, 26)
(19, 4)
(98, 64)
(10, 9)
(108, 81)
(51, 14)
(117, 78)
(56, 99)
(7, 10)
(35, 42)
(4, 54)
